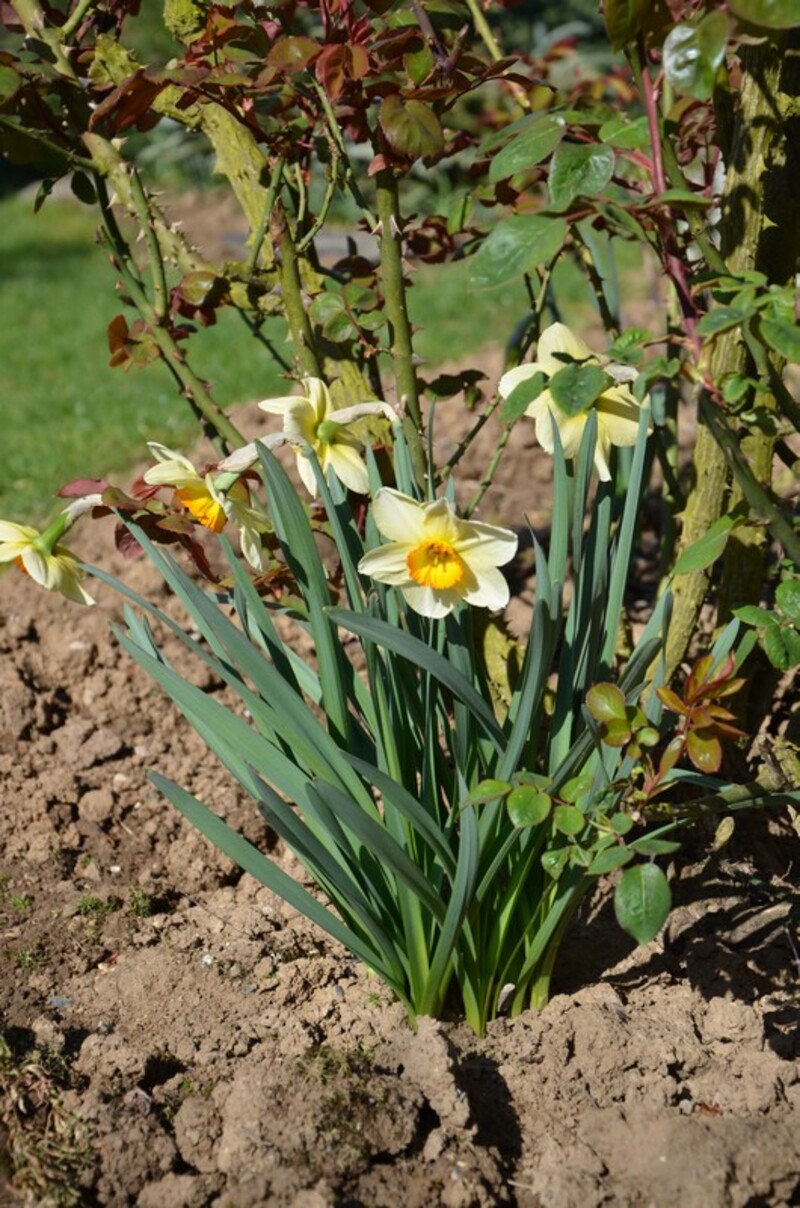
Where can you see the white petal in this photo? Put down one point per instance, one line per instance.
(601, 454)
(306, 472)
(348, 466)
(486, 545)
(171, 474)
(618, 418)
(571, 430)
(17, 532)
(557, 338)
(429, 602)
(278, 406)
(387, 564)
(347, 414)
(162, 453)
(250, 543)
(36, 564)
(319, 398)
(398, 516)
(491, 590)
(300, 423)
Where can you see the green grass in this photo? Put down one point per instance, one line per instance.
(66, 413)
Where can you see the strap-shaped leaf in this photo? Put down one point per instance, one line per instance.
(457, 909)
(419, 654)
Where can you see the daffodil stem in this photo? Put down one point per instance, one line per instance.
(394, 290)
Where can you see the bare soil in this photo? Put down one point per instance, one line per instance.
(179, 1038)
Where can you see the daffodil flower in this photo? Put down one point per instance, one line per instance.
(436, 559)
(213, 499)
(310, 421)
(616, 408)
(41, 555)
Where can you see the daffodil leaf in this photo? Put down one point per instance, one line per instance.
(642, 901)
(521, 397)
(579, 170)
(516, 246)
(575, 387)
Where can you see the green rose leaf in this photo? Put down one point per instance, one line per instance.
(622, 824)
(619, 131)
(553, 862)
(791, 640)
(784, 338)
(534, 142)
(721, 318)
(610, 859)
(516, 246)
(642, 901)
(528, 806)
(606, 702)
(411, 127)
(568, 819)
(776, 648)
(10, 83)
(704, 553)
(704, 750)
(751, 614)
(773, 14)
(486, 791)
(521, 397)
(788, 596)
(654, 847)
(579, 170)
(694, 53)
(575, 387)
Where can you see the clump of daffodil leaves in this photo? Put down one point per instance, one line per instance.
(451, 814)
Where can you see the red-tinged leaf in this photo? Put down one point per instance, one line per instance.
(411, 127)
(82, 486)
(728, 688)
(670, 755)
(129, 105)
(606, 703)
(117, 333)
(290, 55)
(697, 680)
(359, 61)
(672, 701)
(615, 733)
(126, 543)
(704, 750)
(377, 164)
(333, 68)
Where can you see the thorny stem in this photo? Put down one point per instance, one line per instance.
(327, 201)
(336, 136)
(292, 288)
(587, 262)
(76, 16)
(263, 226)
(75, 161)
(484, 29)
(396, 310)
(491, 470)
(215, 424)
(465, 443)
(147, 225)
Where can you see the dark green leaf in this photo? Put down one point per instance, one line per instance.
(534, 142)
(578, 170)
(787, 594)
(516, 246)
(679, 199)
(693, 54)
(554, 862)
(622, 824)
(721, 318)
(654, 847)
(10, 83)
(783, 337)
(772, 14)
(776, 649)
(750, 614)
(642, 901)
(528, 806)
(83, 188)
(791, 640)
(577, 787)
(575, 387)
(704, 553)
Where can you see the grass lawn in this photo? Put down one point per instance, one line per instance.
(67, 414)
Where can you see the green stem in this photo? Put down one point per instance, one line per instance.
(74, 161)
(76, 16)
(488, 477)
(263, 226)
(394, 290)
(215, 423)
(293, 301)
(484, 29)
(147, 226)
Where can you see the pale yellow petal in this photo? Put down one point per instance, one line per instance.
(485, 545)
(398, 516)
(348, 466)
(306, 472)
(490, 590)
(319, 398)
(16, 533)
(279, 406)
(429, 602)
(36, 564)
(557, 338)
(515, 377)
(387, 564)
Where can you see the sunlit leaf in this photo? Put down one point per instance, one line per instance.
(704, 553)
(579, 170)
(705, 750)
(528, 806)
(784, 338)
(568, 819)
(642, 901)
(606, 702)
(609, 860)
(411, 127)
(772, 14)
(575, 387)
(516, 246)
(541, 133)
(693, 54)
(787, 594)
(624, 19)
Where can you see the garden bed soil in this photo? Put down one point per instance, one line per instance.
(179, 1038)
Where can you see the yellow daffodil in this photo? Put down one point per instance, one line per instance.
(616, 408)
(213, 499)
(310, 421)
(436, 559)
(41, 556)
